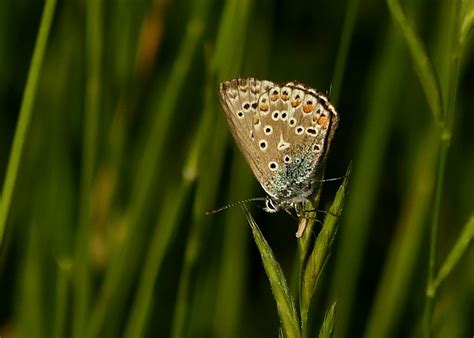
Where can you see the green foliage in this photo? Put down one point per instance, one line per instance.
(113, 146)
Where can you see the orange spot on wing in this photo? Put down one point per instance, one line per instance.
(296, 103)
(321, 120)
(275, 97)
(308, 108)
(264, 106)
(285, 97)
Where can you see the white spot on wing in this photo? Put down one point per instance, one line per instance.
(282, 145)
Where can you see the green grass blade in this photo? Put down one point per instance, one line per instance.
(329, 322)
(401, 262)
(162, 238)
(93, 94)
(31, 323)
(423, 65)
(231, 286)
(281, 293)
(453, 61)
(61, 305)
(460, 247)
(116, 279)
(321, 252)
(343, 50)
(467, 22)
(26, 110)
(384, 91)
(226, 63)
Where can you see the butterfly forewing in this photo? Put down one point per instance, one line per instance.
(239, 99)
(284, 132)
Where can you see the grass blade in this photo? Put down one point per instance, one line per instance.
(366, 173)
(423, 66)
(281, 293)
(163, 236)
(226, 62)
(116, 279)
(89, 153)
(462, 243)
(343, 50)
(26, 110)
(467, 23)
(61, 305)
(400, 266)
(321, 251)
(327, 328)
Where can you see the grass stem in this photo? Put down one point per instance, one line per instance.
(26, 109)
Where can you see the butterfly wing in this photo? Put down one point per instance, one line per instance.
(284, 132)
(239, 99)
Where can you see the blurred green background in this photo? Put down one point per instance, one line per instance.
(125, 148)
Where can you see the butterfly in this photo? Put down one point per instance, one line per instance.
(284, 132)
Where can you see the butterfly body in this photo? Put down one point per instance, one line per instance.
(284, 132)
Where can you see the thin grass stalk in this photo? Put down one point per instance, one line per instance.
(61, 304)
(444, 144)
(193, 246)
(26, 109)
(81, 278)
(162, 238)
(31, 301)
(402, 256)
(365, 180)
(343, 50)
(459, 249)
(430, 293)
(423, 65)
(231, 285)
(148, 169)
(182, 306)
(228, 47)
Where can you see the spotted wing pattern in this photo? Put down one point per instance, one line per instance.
(284, 132)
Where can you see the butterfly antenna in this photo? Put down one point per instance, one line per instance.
(331, 179)
(231, 205)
